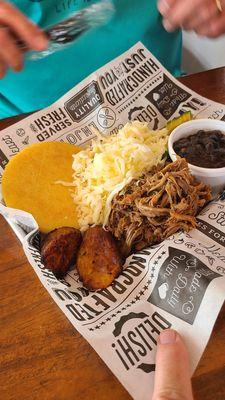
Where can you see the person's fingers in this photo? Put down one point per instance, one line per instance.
(9, 52)
(172, 376)
(180, 12)
(201, 18)
(3, 68)
(164, 6)
(26, 31)
(213, 28)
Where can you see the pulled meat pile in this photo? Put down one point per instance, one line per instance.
(155, 206)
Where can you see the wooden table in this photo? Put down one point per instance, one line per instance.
(41, 354)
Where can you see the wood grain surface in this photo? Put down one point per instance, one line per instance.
(43, 357)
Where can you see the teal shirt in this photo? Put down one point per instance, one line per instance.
(43, 81)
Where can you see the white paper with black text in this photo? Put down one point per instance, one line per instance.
(179, 283)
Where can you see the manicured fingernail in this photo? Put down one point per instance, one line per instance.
(163, 6)
(168, 337)
(168, 26)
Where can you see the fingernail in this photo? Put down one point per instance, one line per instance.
(168, 26)
(163, 6)
(168, 336)
(18, 67)
(41, 42)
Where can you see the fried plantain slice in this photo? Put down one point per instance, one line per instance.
(99, 261)
(59, 249)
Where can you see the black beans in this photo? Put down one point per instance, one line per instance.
(205, 149)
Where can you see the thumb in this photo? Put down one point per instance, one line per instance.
(172, 377)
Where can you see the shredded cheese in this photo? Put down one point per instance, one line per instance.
(110, 163)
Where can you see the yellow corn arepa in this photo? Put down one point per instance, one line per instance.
(29, 184)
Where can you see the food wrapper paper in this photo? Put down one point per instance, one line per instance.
(179, 283)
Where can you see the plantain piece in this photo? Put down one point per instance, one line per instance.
(99, 261)
(175, 122)
(59, 249)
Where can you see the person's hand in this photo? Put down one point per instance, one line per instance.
(172, 376)
(200, 16)
(15, 26)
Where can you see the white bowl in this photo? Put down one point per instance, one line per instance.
(214, 177)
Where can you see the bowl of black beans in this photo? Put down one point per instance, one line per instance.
(202, 143)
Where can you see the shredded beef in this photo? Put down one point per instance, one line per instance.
(157, 205)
